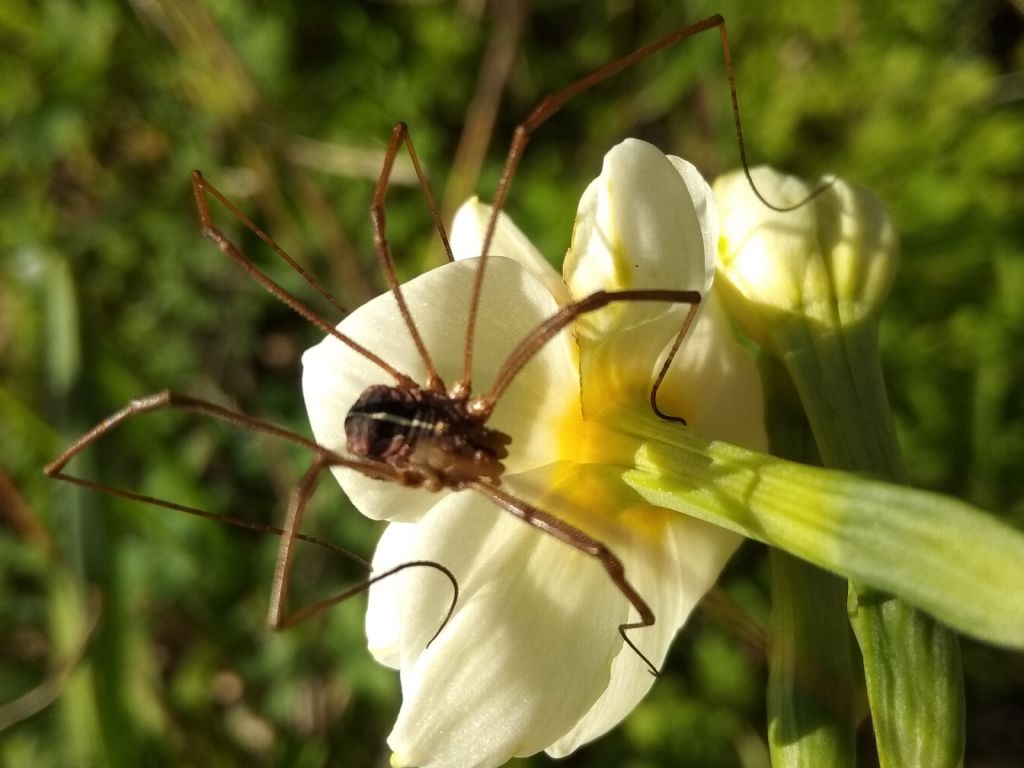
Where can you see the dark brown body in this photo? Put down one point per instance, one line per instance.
(429, 433)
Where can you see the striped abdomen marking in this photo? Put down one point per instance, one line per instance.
(425, 431)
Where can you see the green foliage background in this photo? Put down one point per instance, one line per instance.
(108, 292)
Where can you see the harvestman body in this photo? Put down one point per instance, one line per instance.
(422, 435)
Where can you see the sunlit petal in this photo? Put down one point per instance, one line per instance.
(467, 240)
(673, 564)
(527, 652)
(636, 227)
(706, 208)
(649, 221)
(671, 560)
(384, 619)
(714, 382)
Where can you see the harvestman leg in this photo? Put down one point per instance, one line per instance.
(400, 137)
(574, 537)
(548, 107)
(277, 617)
(544, 332)
(663, 371)
(200, 186)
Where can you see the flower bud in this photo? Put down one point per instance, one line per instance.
(829, 261)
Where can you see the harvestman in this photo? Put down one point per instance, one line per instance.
(422, 435)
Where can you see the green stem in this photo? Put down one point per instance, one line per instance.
(81, 725)
(911, 664)
(810, 709)
(100, 724)
(839, 379)
(812, 720)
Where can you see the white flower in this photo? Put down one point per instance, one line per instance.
(532, 659)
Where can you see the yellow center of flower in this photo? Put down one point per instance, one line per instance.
(584, 487)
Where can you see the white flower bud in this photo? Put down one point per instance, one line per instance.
(830, 261)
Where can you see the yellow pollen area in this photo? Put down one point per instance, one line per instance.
(591, 441)
(586, 490)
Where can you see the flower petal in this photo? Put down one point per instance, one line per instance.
(670, 559)
(527, 652)
(513, 303)
(638, 227)
(384, 619)
(673, 570)
(706, 207)
(714, 382)
(649, 221)
(467, 240)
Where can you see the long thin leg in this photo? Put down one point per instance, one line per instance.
(544, 332)
(312, 610)
(550, 105)
(278, 616)
(290, 533)
(170, 399)
(574, 537)
(199, 188)
(234, 522)
(676, 343)
(400, 136)
(199, 183)
(286, 550)
(45, 693)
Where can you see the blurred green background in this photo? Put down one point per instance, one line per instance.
(131, 635)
